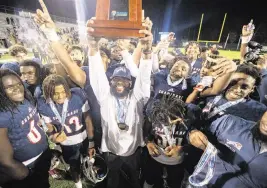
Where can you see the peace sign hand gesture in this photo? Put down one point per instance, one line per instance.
(43, 18)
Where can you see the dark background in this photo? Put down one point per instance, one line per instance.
(179, 16)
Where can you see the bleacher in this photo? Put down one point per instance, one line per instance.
(17, 15)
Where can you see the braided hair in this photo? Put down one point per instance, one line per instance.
(5, 103)
(51, 82)
(159, 110)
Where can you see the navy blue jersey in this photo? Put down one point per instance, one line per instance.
(195, 72)
(250, 109)
(262, 87)
(74, 127)
(161, 86)
(36, 91)
(95, 108)
(246, 167)
(26, 137)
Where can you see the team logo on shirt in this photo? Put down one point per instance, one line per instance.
(171, 90)
(233, 145)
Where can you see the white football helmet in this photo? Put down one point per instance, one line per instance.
(95, 170)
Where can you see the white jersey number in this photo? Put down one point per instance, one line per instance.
(73, 121)
(34, 136)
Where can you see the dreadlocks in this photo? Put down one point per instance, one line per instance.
(5, 103)
(160, 109)
(51, 82)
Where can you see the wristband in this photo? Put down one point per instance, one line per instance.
(51, 34)
(246, 39)
(91, 144)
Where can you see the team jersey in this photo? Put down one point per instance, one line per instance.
(26, 137)
(262, 87)
(195, 72)
(177, 133)
(161, 86)
(36, 91)
(249, 109)
(74, 124)
(241, 163)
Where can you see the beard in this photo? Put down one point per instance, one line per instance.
(175, 77)
(125, 92)
(257, 133)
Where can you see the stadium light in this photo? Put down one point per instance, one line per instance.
(81, 18)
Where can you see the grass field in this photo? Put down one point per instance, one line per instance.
(66, 184)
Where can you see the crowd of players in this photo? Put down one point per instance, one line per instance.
(159, 116)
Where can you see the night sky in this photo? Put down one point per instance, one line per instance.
(179, 16)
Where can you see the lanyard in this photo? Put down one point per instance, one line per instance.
(207, 159)
(121, 110)
(62, 118)
(220, 108)
(176, 83)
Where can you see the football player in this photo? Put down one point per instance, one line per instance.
(19, 53)
(66, 113)
(176, 81)
(164, 134)
(192, 51)
(238, 160)
(77, 55)
(235, 98)
(32, 75)
(24, 153)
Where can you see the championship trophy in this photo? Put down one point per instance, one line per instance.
(118, 19)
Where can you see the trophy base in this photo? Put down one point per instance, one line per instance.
(116, 29)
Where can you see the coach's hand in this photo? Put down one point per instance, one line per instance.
(92, 41)
(198, 139)
(147, 23)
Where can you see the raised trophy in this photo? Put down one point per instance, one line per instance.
(118, 19)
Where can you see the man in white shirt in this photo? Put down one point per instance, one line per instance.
(121, 110)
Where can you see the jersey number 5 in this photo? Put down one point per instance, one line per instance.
(34, 136)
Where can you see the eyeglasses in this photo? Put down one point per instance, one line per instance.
(11, 88)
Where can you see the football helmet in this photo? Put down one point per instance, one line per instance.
(95, 169)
